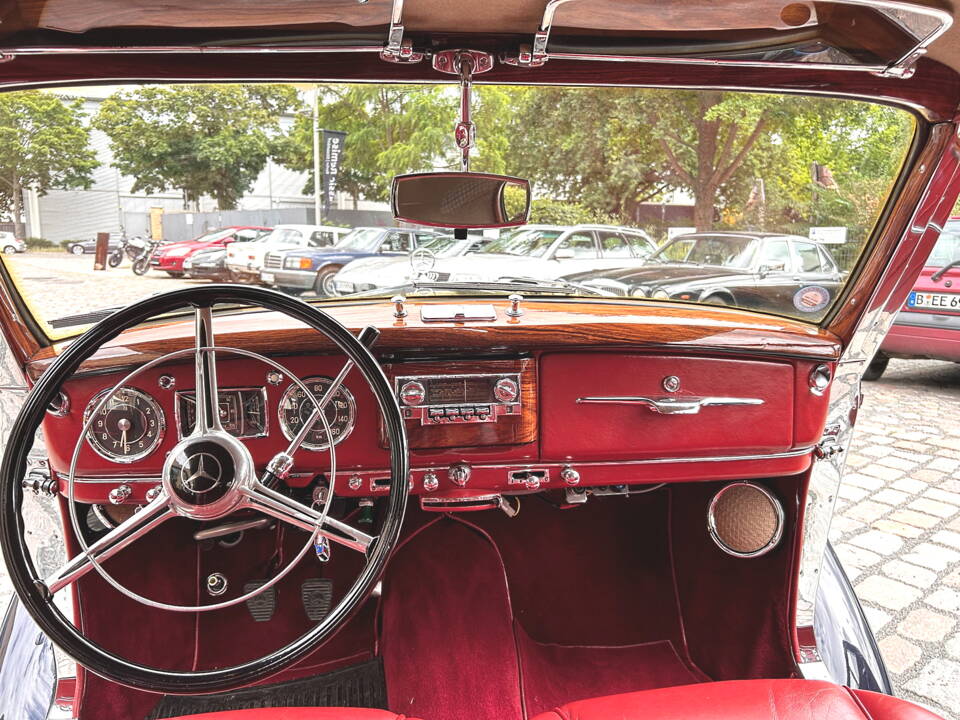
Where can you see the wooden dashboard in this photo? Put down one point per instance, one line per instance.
(607, 393)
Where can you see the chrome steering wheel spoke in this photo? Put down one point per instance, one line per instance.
(277, 505)
(206, 394)
(136, 526)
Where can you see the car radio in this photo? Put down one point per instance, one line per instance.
(455, 399)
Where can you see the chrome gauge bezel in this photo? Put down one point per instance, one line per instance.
(289, 433)
(125, 459)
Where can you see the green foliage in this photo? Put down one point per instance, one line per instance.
(548, 211)
(43, 144)
(199, 139)
(397, 129)
(585, 146)
(38, 243)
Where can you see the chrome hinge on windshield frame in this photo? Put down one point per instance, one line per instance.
(398, 49)
(829, 444)
(535, 55)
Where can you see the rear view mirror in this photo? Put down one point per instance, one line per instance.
(564, 254)
(460, 200)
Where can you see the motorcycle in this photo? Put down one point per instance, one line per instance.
(146, 252)
(124, 248)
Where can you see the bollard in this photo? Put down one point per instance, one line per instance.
(100, 256)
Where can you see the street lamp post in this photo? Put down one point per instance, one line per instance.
(317, 185)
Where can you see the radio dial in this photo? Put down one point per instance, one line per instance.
(506, 390)
(413, 393)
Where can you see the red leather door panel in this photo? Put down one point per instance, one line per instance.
(576, 431)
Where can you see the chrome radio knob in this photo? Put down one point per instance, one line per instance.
(413, 393)
(459, 474)
(506, 390)
(431, 482)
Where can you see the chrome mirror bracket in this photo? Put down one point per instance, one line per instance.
(398, 49)
(535, 54)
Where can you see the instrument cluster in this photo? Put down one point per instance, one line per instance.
(130, 424)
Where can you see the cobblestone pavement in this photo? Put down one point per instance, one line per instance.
(897, 528)
(57, 284)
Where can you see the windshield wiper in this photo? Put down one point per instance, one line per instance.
(509, 285)
(942, 271)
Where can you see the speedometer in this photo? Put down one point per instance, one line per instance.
(127, 428)
(296, 407)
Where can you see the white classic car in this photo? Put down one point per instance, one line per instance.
(374, 273)
(547, 252)
(245, 260)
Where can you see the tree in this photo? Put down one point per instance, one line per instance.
(44, 144)
(391, 129)
(546, 211)
(200, 139)
(583, 145)
(396, 129)
(707, 136)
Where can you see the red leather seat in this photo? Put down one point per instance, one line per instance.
(744, 700)
(298, 714)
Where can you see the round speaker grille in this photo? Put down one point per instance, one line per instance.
(745, 520)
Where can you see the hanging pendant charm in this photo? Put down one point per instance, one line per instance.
(322, 547)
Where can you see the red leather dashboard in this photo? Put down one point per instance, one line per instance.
(764, 424)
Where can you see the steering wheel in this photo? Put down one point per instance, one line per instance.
(189, 488)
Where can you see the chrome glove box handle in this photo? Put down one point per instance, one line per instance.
(670, 405)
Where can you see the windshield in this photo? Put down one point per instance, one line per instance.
(524, 242)
(215, 235)
(449, 246)
(785, 185)
(363, 239)
(723, 250)
(282, 236)
(947, 249)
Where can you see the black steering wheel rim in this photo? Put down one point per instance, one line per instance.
(37, 599)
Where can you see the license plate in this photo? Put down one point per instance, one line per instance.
(267, 277)
(934, 301)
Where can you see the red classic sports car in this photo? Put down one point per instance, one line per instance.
(170, 257)
(458, 499)
(928, 325)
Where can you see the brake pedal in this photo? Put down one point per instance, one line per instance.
(317, 596)
(261, 606)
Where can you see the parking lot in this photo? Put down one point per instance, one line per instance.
(897, 530)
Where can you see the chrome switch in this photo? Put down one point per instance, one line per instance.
(459, 474)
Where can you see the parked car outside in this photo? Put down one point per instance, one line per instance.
(304, 269)
(387, 271)
(928, 325)
(547, 252)
(10, 244)
(170, 258)
(244, 261)
(80, 247)
(764, 271)
(207, 264)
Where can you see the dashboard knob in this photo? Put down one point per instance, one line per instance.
(506, 390)
(459, 474)
(430, 482)
(120, 494)
(570, 476)
(413, 393)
